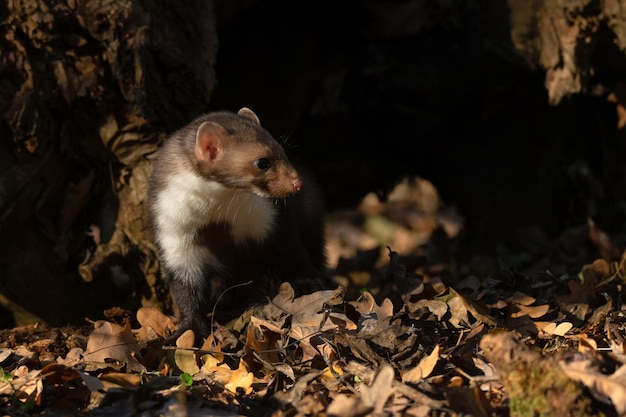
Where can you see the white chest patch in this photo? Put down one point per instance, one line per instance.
(190, 202)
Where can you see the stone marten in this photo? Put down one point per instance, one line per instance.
(227, 207)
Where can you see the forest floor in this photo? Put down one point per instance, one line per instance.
(410, 330)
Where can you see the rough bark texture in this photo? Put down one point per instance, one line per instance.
(88, 88)
(574, 41)
(369, 92)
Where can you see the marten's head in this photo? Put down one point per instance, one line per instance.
(236, 151)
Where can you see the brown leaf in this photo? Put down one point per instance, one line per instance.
(154, 324)
(263, 339)
(112, 341)
(530, 311)
(380, 390)
(309, 313)
(122, 380)
(424, 368)
(610, 389)
(240, 379)
(368, 305)
(558, 330)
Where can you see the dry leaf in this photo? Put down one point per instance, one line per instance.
(530, 311)
(423, 369)
(558, 330)
(380, 390)
(610, 389)
(368, 305)
(122, 380)
(112, 341)
(154, 324)
(263, 338)
(344, 405)
(4, 354)
(240, 379)
(185, 359)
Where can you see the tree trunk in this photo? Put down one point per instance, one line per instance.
(88, 91)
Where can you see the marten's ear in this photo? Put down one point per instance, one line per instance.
(249, 114)
(210, 141)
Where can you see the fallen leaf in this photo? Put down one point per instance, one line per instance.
(558, 330)
(4, 354)
(610, 389)
(154, 324)
(530, 311)
(263, 338)
(368, 305)
(122, 380)
(423, 369)
(344, 405)
(186, 360)
(241, 379)
(112, 341)
(380, 390)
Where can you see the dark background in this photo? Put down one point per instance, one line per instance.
(368, 92)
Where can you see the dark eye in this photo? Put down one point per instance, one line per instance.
(263, 164)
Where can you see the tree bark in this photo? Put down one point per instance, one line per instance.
(88, 91)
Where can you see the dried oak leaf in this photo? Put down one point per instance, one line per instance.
(592, 277)
(154, 324)
(263, 338)
(459, 308)
(370, 400)
(368, 305)
(26, 386)
(112, 341)
(184, 358)
(610, 389)
(310, 314)
(240, 379)
(424, 368)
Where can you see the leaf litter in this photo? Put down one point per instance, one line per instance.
(407, 331)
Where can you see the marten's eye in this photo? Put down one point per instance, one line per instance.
(263, 164)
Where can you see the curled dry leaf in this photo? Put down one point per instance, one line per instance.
(459, 308)
(369, 400)
(310, 314)
(368, 305)
(380, 390)
(112, 341)
(263, 338)
(154, 324)
(558, 330)
(240, 379)
(424, 368)
(184, 358)
(530, 311)
(73, 357)
(436, 307)
(610, 389)
(4, 354)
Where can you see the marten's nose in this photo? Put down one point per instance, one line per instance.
(297, 184)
